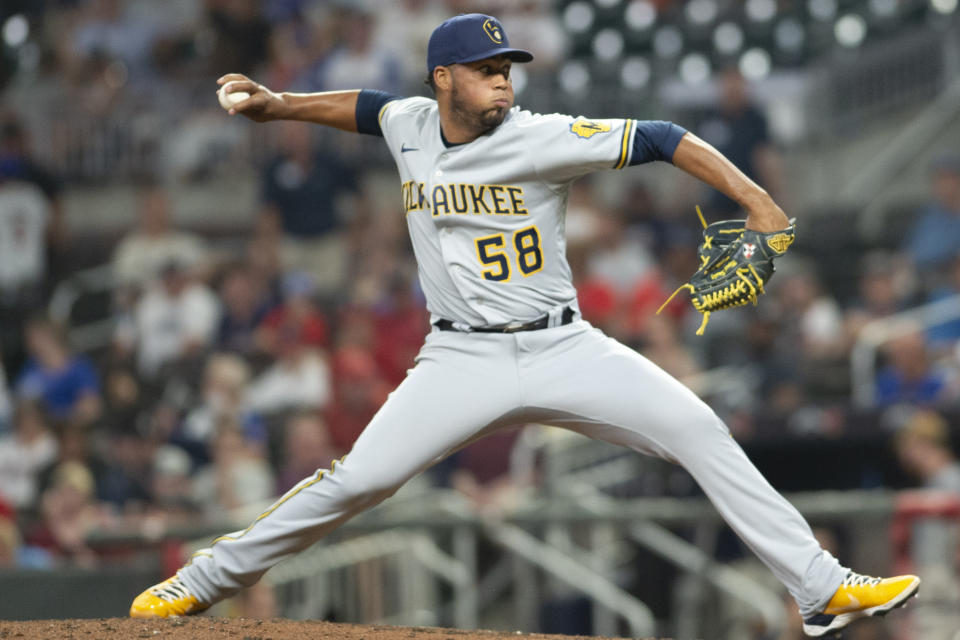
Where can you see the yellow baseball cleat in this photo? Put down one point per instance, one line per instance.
(168, 599)
(861, 597)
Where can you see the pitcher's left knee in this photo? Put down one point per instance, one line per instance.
(693, 429)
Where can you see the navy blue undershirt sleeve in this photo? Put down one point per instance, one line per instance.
(369, 103)
(655, 140)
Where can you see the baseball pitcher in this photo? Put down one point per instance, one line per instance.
(484, 188)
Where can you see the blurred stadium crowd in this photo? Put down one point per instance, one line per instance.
(240, 361)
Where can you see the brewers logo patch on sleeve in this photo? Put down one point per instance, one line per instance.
(584, 128)
(566, 147)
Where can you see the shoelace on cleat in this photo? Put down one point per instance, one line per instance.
(857, 579)
(171, 591)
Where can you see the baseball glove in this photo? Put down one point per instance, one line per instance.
(735, 263)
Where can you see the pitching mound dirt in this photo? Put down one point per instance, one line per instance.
(204, 628)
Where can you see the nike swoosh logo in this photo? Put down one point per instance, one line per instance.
(404, 148)
(852, 604)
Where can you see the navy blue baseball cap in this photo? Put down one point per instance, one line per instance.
(468, 38)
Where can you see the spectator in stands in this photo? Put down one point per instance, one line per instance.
(641, 303)
(653, 227)
(66, 385)
(923, 447)
(153, 244)
(73, 445)
(175, 319)
(306, 190)
(618, 256)
(738, 129)
(539, 29)
(107, 29)
(299, 379)
(124, 398)
(662, 345)
(124, 480)
(359, 389)
(885, 288)
(264, 262)
(935, 238)
(404, 27)
(584, 210)
(245, 305)
(359, 60)
(401, 322)
(94, 86)
(644, 217)
(225, 381)
(307, 447)
(171, 485)
(170, 482)
(14, 554)
(814, 321)
(778, 397)
(17, 163)
(297, 320)
(240, 35)
(23, 454)
(32, 229)
(482, 472)
(598, 297)
(944, 337)
(290, 47)
(909, 376)
(622, 258)
(237, 476)
(69, 515)
(610, 252)
(677, 251)
(164, 425)
(302, 37)
(380, 254)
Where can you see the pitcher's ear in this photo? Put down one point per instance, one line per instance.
(442, 78)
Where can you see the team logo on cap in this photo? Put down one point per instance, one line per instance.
(585, 128)
(493, 31)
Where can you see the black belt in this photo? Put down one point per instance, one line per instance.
(566, 317)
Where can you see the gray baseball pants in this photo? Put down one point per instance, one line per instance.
(572, 376)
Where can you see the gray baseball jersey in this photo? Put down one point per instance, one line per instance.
(487, 218)
(487, 224)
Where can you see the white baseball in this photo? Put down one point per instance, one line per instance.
(229, 100)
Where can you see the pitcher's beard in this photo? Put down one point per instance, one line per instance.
(491, 119)
(482, 122)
